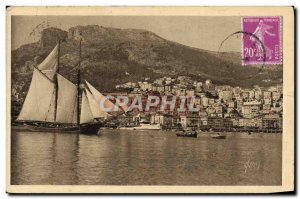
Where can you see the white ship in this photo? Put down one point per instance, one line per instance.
(144, 125)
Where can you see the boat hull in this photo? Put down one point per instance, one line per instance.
(193, 135)
(88, 128)
(219, 137)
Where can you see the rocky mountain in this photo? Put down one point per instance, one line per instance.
(112, 56)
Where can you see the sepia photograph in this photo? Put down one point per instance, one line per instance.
(122, 99)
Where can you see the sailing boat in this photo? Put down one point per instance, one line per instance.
(52, 102)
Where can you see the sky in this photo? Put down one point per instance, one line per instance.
(195, 31)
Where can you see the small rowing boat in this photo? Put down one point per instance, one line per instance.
(218, 136)
(188, 133)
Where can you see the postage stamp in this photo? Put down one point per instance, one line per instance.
(261, 41)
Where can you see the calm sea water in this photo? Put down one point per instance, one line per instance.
(145, 158)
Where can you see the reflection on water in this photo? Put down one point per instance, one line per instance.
(145, 158)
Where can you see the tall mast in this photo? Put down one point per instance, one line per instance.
(78, 85)
(56, 81)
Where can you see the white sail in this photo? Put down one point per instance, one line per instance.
(86, 115)
(66, 101)
(36, 106)
(108, 105)
(94, 106)
(74, 120)
(51, 110)
(50, 64)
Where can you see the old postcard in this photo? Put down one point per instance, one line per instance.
(150, 99)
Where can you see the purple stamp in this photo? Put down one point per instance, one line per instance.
(261, 41)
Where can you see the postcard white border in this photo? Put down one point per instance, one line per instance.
(288, 92)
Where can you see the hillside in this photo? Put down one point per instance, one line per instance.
(108, 53)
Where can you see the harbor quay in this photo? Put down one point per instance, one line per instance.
(266, 124)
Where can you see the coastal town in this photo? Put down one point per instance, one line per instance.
(219, 107)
